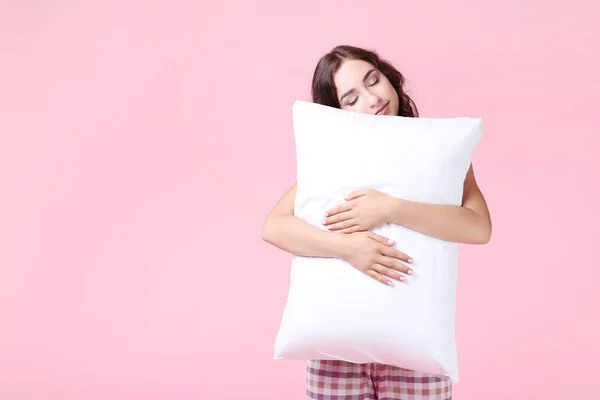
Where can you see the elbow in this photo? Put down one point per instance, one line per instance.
(274, 227)
(265, 233)
(484, 236)
(268, 231)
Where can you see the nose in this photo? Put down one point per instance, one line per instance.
(374, 99)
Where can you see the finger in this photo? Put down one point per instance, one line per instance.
(381, 239)
(341, 225)
(354, 195)
(342, 216)
(339, 209)
(355, 228)
(390, 273)
(397, 254)
(395, 265)
(378, 277)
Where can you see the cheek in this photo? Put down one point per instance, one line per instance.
(359, 108)
(387, 92)
(392, 94)
(395, 103)
(363, 109)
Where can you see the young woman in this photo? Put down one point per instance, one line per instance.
(358, 80)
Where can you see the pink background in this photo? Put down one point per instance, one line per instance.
(143, 143)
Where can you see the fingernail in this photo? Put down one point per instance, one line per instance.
(402, 278)
(390, 241)
(389, 283)
(323, 222)
(410, 260)
(327, 214)
(410, 272)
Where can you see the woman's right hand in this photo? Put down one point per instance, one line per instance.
(374, 255)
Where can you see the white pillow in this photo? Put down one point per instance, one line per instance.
(334, 311)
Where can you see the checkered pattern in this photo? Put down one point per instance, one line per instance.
(339, 380)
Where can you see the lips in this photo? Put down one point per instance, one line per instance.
(383, 108)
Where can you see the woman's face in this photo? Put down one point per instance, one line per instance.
(362, 88)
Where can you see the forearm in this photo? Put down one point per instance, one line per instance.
(445, 222)
(296, 236)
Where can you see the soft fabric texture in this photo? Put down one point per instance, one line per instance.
(335, 312)
(334, 379)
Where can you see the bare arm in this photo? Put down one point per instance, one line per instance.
(368, 252)
(284, 230)
(469, 223)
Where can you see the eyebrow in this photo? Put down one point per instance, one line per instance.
(364, 80)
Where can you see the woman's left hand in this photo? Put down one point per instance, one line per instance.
(362, 211)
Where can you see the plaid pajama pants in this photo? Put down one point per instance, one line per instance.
(340, 380)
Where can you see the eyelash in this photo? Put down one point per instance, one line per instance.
(373, 84)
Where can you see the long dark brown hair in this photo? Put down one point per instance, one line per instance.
(323, 87)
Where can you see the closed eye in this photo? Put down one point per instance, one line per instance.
(356, 99)
(375, 83)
